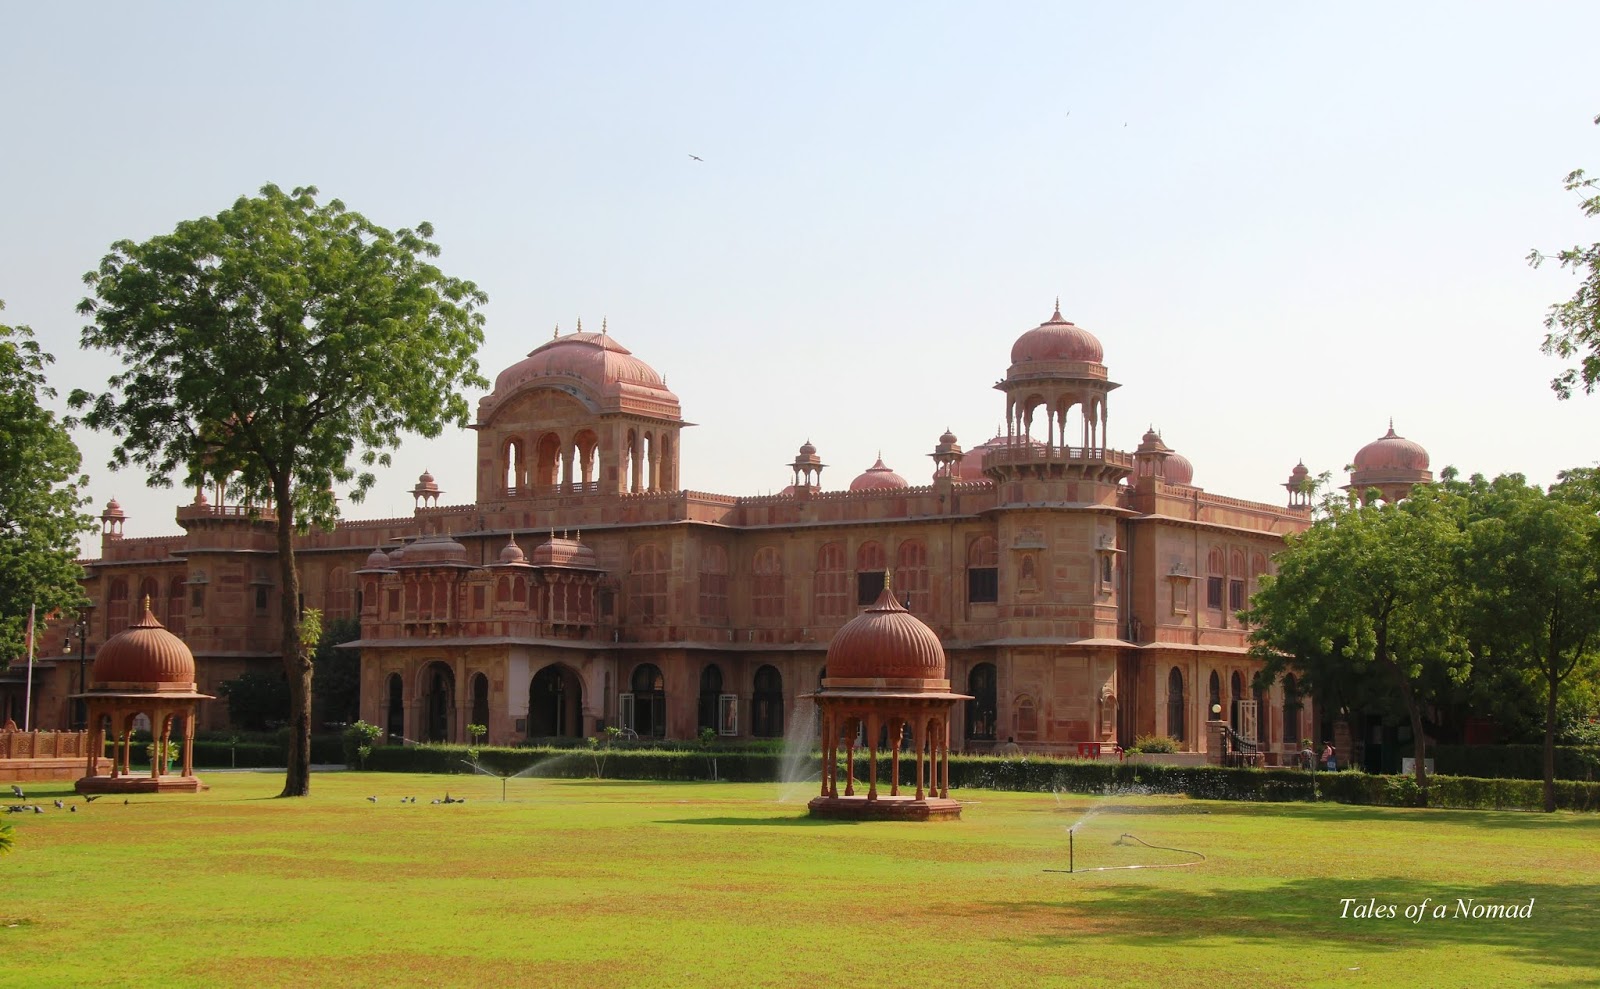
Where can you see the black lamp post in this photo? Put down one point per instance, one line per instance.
(80, 707)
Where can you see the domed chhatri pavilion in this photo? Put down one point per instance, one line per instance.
(1080, 594)
(146, 670)
(887, 681)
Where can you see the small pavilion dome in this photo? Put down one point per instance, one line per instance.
(1178, 469)
(377, 560)
(878, 478)
(886, 642)
(114, 510)
(433, 551)
(144, 656)
(559, 551)
(511, 553)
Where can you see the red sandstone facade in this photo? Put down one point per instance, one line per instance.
(1082, 594)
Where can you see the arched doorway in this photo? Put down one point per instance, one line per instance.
(480, 700)
(555, 703)
(648, 702)
(981, 710)
(710, 690)
(1175, 704)
(438, 703)
(766, 715)
(395, 717)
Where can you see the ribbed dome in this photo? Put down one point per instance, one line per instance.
(144, 656)
(563, 552)
(1300, 472)
(603, 369)
(1392, 452)
(433, 550)
(378, 560)
(427, 483)
(113, 510)
(878, 478)
(1178, 469)
(808, 449)
(886, 641)
(511, 553)
(1057, 340)
(971, 466)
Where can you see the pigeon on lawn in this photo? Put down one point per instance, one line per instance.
(18, 791)
(434, 800)
(73, 808)
(37, 809)
(59, 805)
(90, 798)
(372, 800)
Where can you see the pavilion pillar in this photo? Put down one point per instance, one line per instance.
(918, 738)
(897, 727)
(188, 743)
(872, 750)
(850, 761)
(944, 763)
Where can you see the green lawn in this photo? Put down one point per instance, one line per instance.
(610, 884)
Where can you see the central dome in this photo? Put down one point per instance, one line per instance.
(144, 656)
(886, 642)
(1056, 339)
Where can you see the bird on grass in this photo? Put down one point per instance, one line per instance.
(124, 802)
(90, 798)
(37, 809)
(59, 805)
(435, 800)
(18, 791)
(372, 800)
(73, 808)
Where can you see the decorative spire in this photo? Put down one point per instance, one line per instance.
(580, 325)
(1056, 316)
(557, 334)
(602, 326)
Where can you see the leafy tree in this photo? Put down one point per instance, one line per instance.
(1574, 325)
(266, 347)
(336, 692)
(39, 500)
(1369, 589)
(8, 838)
(1535, 577)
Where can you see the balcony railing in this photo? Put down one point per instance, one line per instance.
(1037, 453)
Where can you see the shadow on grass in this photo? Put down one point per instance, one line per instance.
(1308, 911)
(762, 822)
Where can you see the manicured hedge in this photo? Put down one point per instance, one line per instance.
(255, 750)
(984, 772)
(1521, 762)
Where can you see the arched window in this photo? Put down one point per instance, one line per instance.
(1175, 706)
(1215, 576)
(1214, 698)
(395, 717)
(513, 467)
(710, 690)
(177, 612)
(480, 700)
(832, 582)
(647, 585)
(1291, 710)
(116, 607)
(982, 708)
(870, 570)
(766, 584)
(983, 571)
(766, 714)
(644, 708)
(547, 472)
(911, 576)
(714, 583)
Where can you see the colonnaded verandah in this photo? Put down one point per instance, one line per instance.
(1083, 594)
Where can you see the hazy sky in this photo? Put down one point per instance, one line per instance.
(1285, 222)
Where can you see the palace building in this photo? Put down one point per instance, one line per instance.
(1083, 595)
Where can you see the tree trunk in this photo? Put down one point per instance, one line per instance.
(296, 659)
(1419, 742)
(1550, 737)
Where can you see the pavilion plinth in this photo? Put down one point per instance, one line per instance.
(885, 808)
(139, 784)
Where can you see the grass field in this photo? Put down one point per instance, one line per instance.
(599, 884)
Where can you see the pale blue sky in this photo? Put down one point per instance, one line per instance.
(1286, 223)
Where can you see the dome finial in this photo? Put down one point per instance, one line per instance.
(1056, 316)
(580, 325)
(557, 334)
(602, 326)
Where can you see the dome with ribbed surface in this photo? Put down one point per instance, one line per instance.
(593, 364)
(1178, 469)
(886, 642)
(1391, 452)
(563, 552)
(144, 656)
(432, 551)
(512, 554)
(878, 478)
(1057, 339)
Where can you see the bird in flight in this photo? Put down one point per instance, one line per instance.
(697, 158)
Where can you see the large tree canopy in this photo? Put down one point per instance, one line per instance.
(1370, 589)
(269, 346)
(1574, 325)
(39, 500)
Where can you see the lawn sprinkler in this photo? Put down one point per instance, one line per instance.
(486, 772)
(1128, 839)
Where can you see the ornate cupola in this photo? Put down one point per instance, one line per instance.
(947, 456)
(1057, 375)
(1392, 465)
(887, 676)
(1300, 487)
(807, 467)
